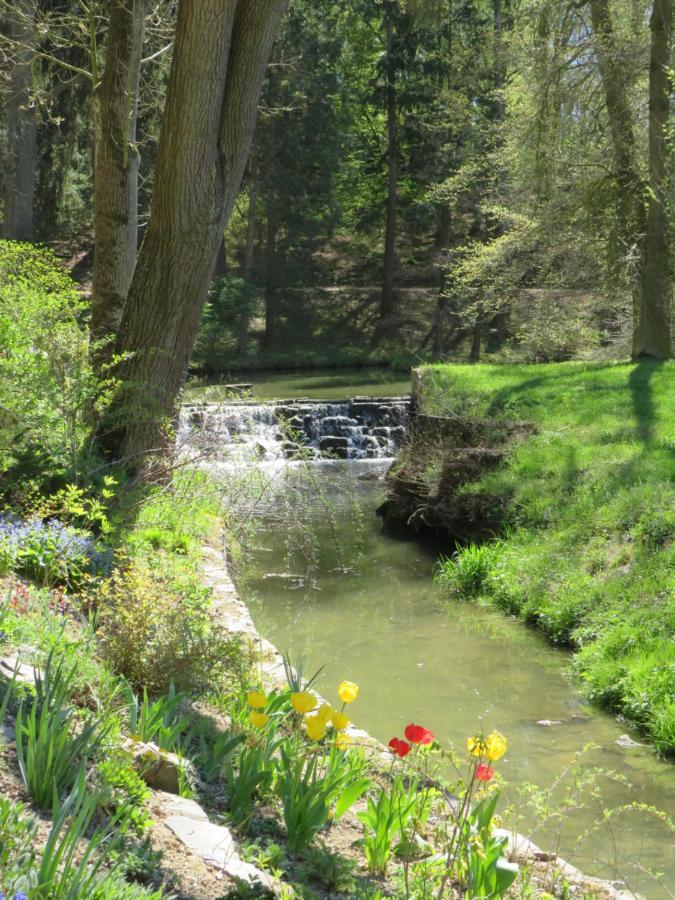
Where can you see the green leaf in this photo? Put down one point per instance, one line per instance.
(350, 795)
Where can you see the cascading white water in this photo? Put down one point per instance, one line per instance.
(359, 428)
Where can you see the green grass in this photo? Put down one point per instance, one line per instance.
(588, 550)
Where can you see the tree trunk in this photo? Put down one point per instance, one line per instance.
(220, 54)
(21, 165)
(474, 355)
(116, 164)
(652, 336)
(388, 298)
(630, 216)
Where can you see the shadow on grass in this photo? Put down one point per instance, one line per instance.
(642, 397)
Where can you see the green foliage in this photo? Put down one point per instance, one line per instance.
(47, 389)
(122, 793)
(385, 819)
(488, 873)
(464, 573)
(70, 861)
(309, 787)
(17, 848)
(156, 630)
(214, 752)
(230, 305)
(157, 721)
(588, 552)
(50, 749)
(251, 773)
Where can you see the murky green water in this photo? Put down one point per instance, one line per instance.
(454, 670)
(333, 384)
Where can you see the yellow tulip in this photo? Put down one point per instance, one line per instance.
(476, 745)
(316, 729)
(342, 741)
(323, 713)
(303, 701)
(258, 719)
(256, 699)
(348, 691)
(495, 746)
(339, 720)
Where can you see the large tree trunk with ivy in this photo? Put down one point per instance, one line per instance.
(21, 164)
(220, 55)
(116, 167)
(652, 335)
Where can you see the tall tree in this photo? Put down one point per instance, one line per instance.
(116, 165)
(21, 166)
(651, 336)
(220, 54)
(388, 299)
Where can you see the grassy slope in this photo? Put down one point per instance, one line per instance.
(589, 552)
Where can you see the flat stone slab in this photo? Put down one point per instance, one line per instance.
(11, 667)
(215, 845)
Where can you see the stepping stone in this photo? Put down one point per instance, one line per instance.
(21, 672)
(215, 845)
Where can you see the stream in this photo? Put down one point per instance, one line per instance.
(323, 579)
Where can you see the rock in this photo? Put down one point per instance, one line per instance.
(173, 805)
(549, 722)
(627, 742)
(215, 845)
(160, 769)
(11, 667)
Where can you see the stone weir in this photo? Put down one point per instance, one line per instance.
(357, 428)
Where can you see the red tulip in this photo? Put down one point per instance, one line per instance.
(400, 748)
(418, 734)
(484, 773)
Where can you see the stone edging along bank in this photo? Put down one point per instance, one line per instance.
(233, 615)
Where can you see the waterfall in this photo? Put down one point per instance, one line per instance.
(358, 428)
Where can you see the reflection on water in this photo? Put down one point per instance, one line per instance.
(454, 671)
(318, 384)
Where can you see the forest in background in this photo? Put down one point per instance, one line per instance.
(426, 179)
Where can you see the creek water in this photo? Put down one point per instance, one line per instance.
(363, 604)
(318, 384)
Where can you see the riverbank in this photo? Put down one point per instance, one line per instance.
(565, 482)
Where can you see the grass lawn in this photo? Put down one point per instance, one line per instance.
(588, 551)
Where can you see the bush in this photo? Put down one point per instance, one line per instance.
(47, 387)
(465, 572)
(157, 631)
(49, 552)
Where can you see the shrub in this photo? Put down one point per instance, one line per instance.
(157, 631)
(465, 572)
(17, 835)
(47, 388)
(50, 552)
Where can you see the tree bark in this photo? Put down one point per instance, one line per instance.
(220, 54)
(629, 187)
(21, 165)
(652, 335)
(388, 298)
(116, 168)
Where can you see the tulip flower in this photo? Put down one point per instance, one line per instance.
(476, 745)
(400, 748)
(495, 746)
(323, 713)
(303, 701)
(484, 773)
(348, 691)
(316, 729)
(338, 720)
(256, 699)
(342, 741)
(418, 734)
(258, 719)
